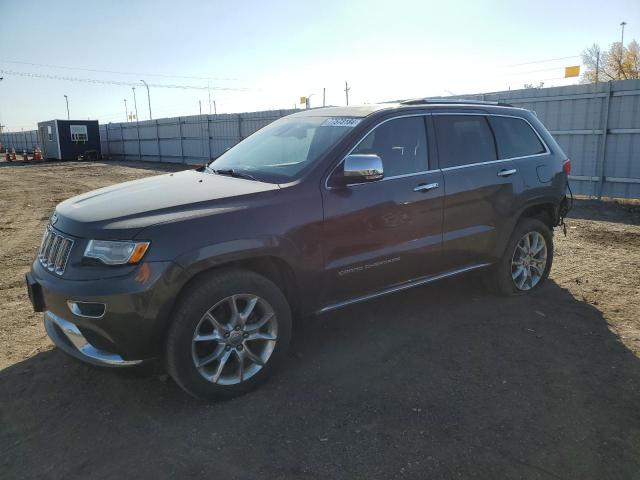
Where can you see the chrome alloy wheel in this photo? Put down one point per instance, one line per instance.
(234, 339)
(529, 261)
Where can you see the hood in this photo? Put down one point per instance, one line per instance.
(122, 210)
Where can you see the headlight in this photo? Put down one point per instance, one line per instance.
(116, 252)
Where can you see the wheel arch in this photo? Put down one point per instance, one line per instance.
(546, 212)
(272, 267)
(545, 209)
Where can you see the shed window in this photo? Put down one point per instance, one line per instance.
(49, 133)
(79, 133)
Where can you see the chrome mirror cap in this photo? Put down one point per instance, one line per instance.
(362, 168)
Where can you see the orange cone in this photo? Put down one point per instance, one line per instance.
(37, 155)
(13, 154)
(25, 157)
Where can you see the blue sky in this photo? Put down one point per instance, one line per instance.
(271, 53)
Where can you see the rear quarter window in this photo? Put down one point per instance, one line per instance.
(515, 137)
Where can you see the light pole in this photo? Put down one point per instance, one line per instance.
(308, 101)
(1, 78)
(148, 98)
(67, 100)
(135, 103)
(622, 24)
(126, 112)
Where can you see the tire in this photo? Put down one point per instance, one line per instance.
(196, 346)
(500, 278)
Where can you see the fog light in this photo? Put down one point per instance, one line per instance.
(87, 309)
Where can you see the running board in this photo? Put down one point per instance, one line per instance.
(400, 287)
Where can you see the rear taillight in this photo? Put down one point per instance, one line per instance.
(566, 166)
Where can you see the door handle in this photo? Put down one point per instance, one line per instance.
(425, 187)
(507, 172)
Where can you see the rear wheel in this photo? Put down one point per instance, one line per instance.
(230, 331)
(527, 260)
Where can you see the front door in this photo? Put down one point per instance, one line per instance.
(381, 233)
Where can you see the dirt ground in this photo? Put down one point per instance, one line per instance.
(444, 381)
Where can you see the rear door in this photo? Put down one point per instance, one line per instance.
(480, 189)
(380, 233)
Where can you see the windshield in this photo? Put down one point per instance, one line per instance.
(280, 151)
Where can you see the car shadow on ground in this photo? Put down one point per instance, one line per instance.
(444, 381)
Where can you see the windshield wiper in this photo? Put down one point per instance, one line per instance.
(234, 173)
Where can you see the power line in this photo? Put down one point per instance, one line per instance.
(47, 76)
(535, 71)
(543, 61)
(118, 72)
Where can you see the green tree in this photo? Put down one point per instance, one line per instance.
(617, 63)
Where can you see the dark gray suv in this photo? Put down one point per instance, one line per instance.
(206, 268)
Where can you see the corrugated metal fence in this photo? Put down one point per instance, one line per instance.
(20, 140)
(192, 140)
(597, 125)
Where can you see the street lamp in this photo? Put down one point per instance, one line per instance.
(135, 103)
(67, 100)
(307, 102)
(148, 98)
(622, 24)
(126, 111)
(1, 78)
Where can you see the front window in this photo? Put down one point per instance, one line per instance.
(283, 149)
(401, 143)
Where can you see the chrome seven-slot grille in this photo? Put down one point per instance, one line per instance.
(54, 251)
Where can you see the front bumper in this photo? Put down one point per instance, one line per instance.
(131, 328)
(68, 338)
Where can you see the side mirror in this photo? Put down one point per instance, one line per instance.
(362, 168)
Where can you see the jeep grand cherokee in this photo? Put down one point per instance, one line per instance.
(206, 268)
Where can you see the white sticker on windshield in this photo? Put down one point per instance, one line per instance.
(341, 122)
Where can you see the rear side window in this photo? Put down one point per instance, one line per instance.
(515, 137)
(463, 139)
(400, 143)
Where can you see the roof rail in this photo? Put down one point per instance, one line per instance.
(423, 101)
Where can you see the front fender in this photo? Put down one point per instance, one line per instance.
(215, 255)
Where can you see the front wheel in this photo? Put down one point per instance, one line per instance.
(230, 331)
(527, 260)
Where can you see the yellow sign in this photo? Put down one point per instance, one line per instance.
(573, 71)
(303, 100)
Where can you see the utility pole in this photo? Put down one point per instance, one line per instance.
(324, 91)
(126, 111)
(148, 98)
(597, 63)
(215, 110)
(622, 24)
(346, 91)
(200, 106)
(135, 103)
(209, 92)
(67, 100)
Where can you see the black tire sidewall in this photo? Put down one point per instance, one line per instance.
(199, 298)
(504, 280)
